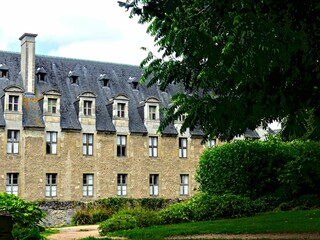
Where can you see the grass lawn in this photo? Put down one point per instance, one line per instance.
(272, 222)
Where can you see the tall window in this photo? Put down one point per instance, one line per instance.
(121, 146)
(87, 108)
(12, 186)
(153, 146)
(152, 112)
(121, 110)
(182, 147)
(122, 185)
(51, 185)
(13, 141)
(211, 143)
(154, 184)
(52, 105)
(87, 144)
(51, 145)
(184, 184)
(13, 103)
(87, 188)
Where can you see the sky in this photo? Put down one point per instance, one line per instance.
(94, 30)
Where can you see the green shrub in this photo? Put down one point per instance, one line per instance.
(100, 214)
(117, 222)
(175, 213)
(153, 203)
(27, 234)
(144, 217)
(261, 168)
(82, 216)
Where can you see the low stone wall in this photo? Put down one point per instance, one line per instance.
(59, 213)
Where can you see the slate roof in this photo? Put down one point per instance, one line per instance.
(89, 74)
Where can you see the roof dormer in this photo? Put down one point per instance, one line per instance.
(4, 71)
(13, 103)
(41, 74)
(120, 112)
(152, 114)
(73, 77)
(134, 83)
(104, 80)
(51, 106)
(87, 108)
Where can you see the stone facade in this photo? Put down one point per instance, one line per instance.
(75, 135)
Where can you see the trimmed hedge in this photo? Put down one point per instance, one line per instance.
(261, 168)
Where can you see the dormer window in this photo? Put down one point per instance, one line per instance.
(4, 70)
(105, 82)
(52, 105)
(13, 103)
(135, 85)
(121, 110)
(87, 108)
(41, 74)
(73, 77)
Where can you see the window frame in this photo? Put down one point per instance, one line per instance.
(87, 107)
(13, 140)
(51, 185)
(122, 184)
(183, 149)
(121, 145)
(153, 146)
(52, 105)
(154, 185)
(10, 184)
(152, 112)
(184, 187)
(13, 103)
(50, 143)
(121, 110)
(87, 145)
(86, 185)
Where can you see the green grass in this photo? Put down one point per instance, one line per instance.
(49, 232)
(272, 222)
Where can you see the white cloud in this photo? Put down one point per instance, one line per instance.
(96, 29)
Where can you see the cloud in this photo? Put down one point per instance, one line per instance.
(96, 29)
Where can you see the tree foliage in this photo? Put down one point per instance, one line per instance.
(242, 63)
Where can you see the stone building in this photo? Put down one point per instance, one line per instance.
(82, 130)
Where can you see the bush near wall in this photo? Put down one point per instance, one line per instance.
(261, 168)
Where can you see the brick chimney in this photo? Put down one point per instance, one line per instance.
(28, 61)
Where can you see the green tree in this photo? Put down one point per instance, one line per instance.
(241, 63)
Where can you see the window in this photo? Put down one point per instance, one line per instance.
(74, 79)
(121, 146)
(153, 146)
(154, 184)
(152, 112)
(184, 184)
(87, 189)
(87, 144)
(121, 111)
(12, 186)
(51, 185)
(182, 147)
(13, 103)
(211, 143)
(13, 141)
(105, 82)
(182, 117)
(122, 185)
(52, 105)
(4, 73)
(87, 108)
(135, 85)
(51, 145)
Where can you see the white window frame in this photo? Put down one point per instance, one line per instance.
(154, 184)
(87, 185)
(212, 143)
(87, 107)
(51, 142)
(122, 184)
(152, 112)
(153, 146)
(52, 105)
(87, 144)
(13, 103)
(184, 184)
(13, 139)
(183, 147)
(121, 145)
(51, 185)
(121, 110)
(12, 183)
